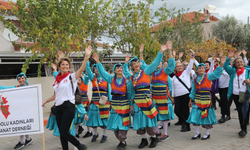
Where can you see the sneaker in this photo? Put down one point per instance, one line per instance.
(19, 146)
(28, 142)
(122, 146)
(88, 134)
(104, 139)
(164, 137)
(94, 138)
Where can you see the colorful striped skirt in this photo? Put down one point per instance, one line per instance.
(140, 118)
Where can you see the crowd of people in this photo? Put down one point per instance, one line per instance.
(145, 96)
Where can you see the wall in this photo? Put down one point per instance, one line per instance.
(207, 29)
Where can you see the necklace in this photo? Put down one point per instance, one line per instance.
(135, 79)
(199, 82)
(98, 81)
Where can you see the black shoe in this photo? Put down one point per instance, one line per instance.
(94, 138)
(208, 136)
(183, 126)
(158, 134)
(122, 146)
(19, 145)
(144, 142)
(194, 138)
(222, 119)
(161, 127)
(88, 134)
(82, 147)
(28, 142)
(169, 124)
(80, 130)
(104, 139)
(242, 133)
(185, 129)
(77, 135)
(227, 118)
(178, 123)
(153, 143)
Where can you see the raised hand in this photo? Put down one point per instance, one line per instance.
(141, 47)
(231, 54)
(88, 51)
(214, 54)
(127, 59)
(222, 61)
(60, 54)
(169, 44)
(244, 52)
(180, 55)
(221, 53)
(191, 51)
(237, 54)
(174, 52)
(163, 47)
(95, 57)
(54, 66)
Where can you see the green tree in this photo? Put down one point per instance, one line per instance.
(54, 25)
(130, 26)
(229, 29)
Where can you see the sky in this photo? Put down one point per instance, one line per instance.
(238, 8)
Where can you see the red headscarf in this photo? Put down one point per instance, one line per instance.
(60, 77)
(179, 73)
(240, 71)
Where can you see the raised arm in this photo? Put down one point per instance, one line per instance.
(227, 66)
(245, 56)
(126, 72)
(191, 62)
(141, 51)
(102, 72)
(89, 72)
(86, 79)
(151, 68)
(170, 67)
(88, 51)
(218, 71)
(143, 65)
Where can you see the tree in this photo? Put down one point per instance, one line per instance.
(54, 25)
(129, 26)
(228, 29)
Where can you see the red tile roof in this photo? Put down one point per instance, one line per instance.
(188, 16)
(6, 5)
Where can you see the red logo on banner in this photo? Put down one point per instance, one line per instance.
(4, 108)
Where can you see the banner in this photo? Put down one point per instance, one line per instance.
(20, 111)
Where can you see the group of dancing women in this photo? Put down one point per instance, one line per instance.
(140, 96)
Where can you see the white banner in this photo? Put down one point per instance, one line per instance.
(20, 111)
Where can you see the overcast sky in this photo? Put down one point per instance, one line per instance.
(238, 8)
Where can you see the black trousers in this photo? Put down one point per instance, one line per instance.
(181, 108)
(65, 114)
(224, 102)
(243, 123)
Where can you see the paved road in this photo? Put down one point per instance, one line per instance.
(223, 137)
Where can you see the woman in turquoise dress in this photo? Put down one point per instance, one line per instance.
(202, 112)
(22, 80)
(161, 84)
(119, 120)
(144, 118)
(98, 114)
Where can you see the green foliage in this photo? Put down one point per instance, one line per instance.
(229, 29)
(54, 25)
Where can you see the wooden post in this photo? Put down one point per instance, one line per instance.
(43, 142)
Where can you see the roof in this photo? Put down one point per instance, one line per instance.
(6, 5)
(188, 16)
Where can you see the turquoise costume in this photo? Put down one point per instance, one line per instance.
(168, 70)
(93, 112)
(195, 116)
(115, 121)
(140, 120)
